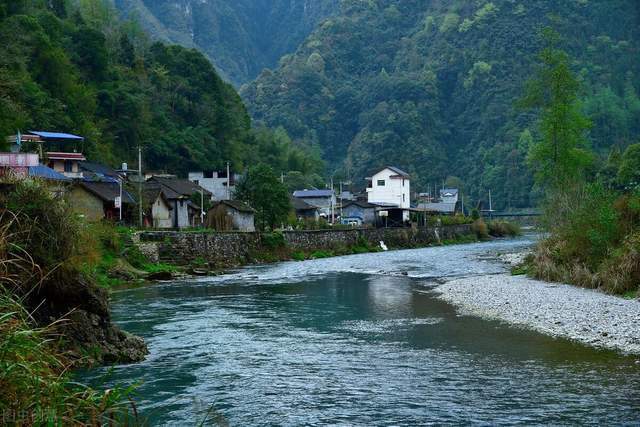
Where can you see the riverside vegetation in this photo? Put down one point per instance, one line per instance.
(54, 317)
(592, 207)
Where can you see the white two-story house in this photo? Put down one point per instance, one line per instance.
(390, 187)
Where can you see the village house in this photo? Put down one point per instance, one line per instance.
(358, 212)
(24, 165)
(389, 189)
(179, 192)
(231, 215)
(97, 200)
(156, 208)
(65, 163)
(324, 200)
(221, 186)
(304, 211)
(447, 203)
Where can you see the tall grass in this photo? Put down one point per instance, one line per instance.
(41, 254)
(35, 381)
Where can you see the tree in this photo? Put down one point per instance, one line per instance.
(561, 156)
(629, 171)
(262, 190)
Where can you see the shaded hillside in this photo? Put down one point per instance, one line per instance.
(241, 37)
(431, 86)
(81, 70)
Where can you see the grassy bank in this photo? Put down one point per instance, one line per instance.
(597, 245)
(53, 317)
(118, 262)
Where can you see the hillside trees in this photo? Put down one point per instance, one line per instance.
(432, 88)
(83, 71)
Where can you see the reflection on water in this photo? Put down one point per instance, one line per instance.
(287, 345)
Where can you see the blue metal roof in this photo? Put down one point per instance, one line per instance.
(56, 135)
(313, 193)
(44, 172)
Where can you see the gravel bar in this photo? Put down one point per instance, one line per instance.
(559, 310)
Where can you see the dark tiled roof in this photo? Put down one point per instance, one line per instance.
(359, 203)
(301, 205)
(175, 188)
(313, 193)
(107, 191)
(438, 207)
(98, 169)
(237, 205)
(398, 171)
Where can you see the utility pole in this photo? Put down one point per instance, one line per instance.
(120, 204)
(140, 178)
(333, 215)
(462, 198)
(490, 207)
(228, 183)
(201, 208)
(341, 201)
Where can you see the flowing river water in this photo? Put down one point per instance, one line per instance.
(357, 340)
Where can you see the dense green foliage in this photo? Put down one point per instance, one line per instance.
(241, 37)
(561, 156)
(79, 69)
(593, 220)
(261, 189)
(431, 87)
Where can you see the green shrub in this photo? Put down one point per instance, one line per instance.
(298, 256)
(273, 240)
(136, 258)
(321, 254)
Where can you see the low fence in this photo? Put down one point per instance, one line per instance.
(233, 248)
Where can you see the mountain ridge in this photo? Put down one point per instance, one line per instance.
(240, 37)
(433, 86)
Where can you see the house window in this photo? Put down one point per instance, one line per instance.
(403, 182)
(403, 198)
(68, 166)
(196, 182)
(381, 183)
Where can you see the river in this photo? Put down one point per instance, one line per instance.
(357, 340)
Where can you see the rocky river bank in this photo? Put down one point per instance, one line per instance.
(555, 309)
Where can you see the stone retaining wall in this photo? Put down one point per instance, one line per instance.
(234, 248)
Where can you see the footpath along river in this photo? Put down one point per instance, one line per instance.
(358, 340)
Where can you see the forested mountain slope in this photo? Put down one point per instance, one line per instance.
(241, 37)
(79, 69)
(431, 86)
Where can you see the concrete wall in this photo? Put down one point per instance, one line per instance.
(233, 248)
(243, 221)
(161, 214)
(85, 203)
